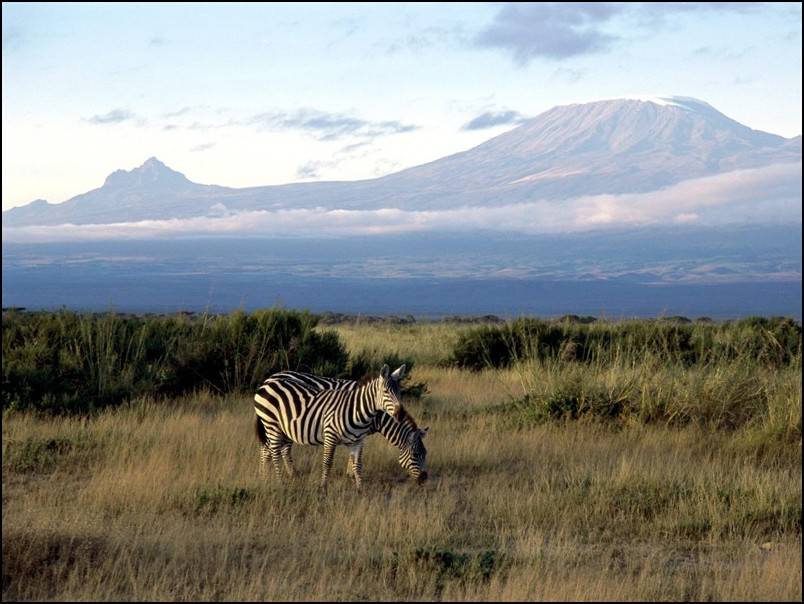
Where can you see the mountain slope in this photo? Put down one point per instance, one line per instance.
(605, 147)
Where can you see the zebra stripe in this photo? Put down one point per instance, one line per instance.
(292, 411)
(403, 434)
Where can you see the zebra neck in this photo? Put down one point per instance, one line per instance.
(395, 432)
(369, 402)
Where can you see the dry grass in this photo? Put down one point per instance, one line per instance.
(424, 343)
(163, 502)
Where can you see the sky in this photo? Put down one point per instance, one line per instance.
(244, 95)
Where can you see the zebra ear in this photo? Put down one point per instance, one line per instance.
(385, 371)
(399, 373)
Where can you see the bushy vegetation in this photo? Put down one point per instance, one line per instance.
(765, 403)
(773, 342)
(68, 362)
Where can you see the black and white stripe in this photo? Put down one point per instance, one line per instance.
(403, 434)
(295, 410)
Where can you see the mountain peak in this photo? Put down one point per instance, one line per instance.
(153, 162)
(152, 173)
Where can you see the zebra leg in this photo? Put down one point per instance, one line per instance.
(350, 471)
(286, 457)
(356, 453)
(275, 450)
(330, 441)
(265, 455)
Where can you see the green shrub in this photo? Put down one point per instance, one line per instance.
(773, 342)
(67, 362)
(448, 564)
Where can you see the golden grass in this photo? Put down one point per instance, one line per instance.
(424, 343)
(164, 502)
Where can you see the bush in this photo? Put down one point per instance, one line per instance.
(773, 342)
(68, 362)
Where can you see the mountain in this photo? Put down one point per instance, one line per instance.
(150, 191)
(606, 147)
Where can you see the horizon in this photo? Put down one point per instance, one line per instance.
(247, 132)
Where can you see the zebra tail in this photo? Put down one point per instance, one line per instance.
(259, 429)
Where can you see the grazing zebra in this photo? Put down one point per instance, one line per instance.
(403, 433)
(290, 411)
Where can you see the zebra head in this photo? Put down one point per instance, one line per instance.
(390, 390)
(413, 455)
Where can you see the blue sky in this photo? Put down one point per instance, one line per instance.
(243, 95)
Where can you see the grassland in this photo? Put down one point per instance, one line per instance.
(626, 477)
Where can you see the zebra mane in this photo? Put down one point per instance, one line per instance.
(369, 377)
(406, 418)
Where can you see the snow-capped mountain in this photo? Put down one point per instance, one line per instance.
(607, 147)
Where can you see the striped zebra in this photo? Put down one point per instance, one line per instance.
(290, 411)
(403, 434)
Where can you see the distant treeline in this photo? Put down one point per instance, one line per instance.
(773, 341)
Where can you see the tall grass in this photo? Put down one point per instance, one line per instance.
(611, 466)
(154, 502)
(67, 362)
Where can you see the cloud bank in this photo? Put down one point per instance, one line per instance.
(771, 195)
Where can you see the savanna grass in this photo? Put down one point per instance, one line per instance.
(169, 505)
(628, 475)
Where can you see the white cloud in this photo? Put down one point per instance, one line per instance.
(770, 194)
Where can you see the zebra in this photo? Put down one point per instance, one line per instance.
(403, 434)
(290, 411)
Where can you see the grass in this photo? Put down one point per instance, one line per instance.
(161, 499)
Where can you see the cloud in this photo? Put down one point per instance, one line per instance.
(564, 30)
(327, 126)
(202, 147)
(568, 75)
(115, 116)
(490, 119)
(770, 195)
(313, 168)
(219, 209)
(425, 38)
(549, 30)
(177, 113)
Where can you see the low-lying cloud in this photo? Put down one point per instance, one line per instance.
(771, 195)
